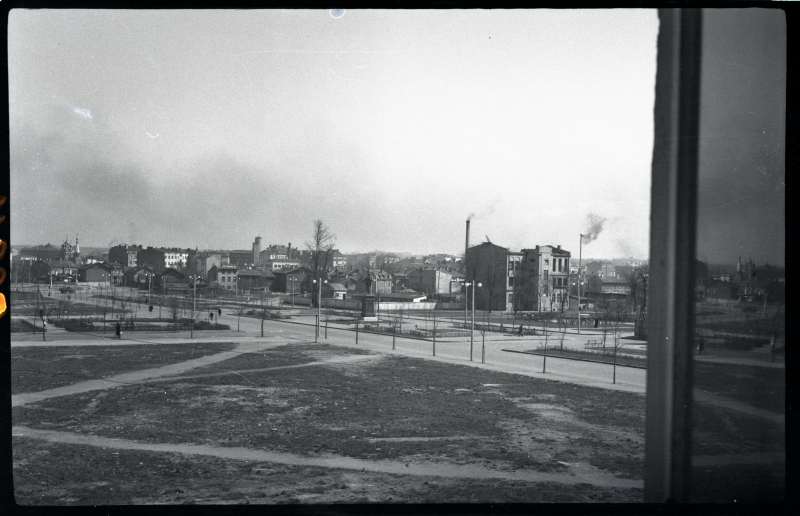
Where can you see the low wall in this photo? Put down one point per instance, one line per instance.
(342, 304)
(383, 306)
(396, 306)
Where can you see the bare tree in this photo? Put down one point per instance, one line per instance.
(434, 317)
(546, 334)
(614, 314)
(398, 325)
(321, 252)
(123, 304)
(263, 312)
(562, 329)
(241, 309)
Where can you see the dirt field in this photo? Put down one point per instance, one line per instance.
(423, 431)
(312, 423)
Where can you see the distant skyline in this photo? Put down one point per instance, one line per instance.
(207, 128)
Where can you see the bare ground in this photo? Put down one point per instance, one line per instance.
(315, 402)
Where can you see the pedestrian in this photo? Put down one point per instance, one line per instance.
(520, 330)
(596, 322)
(118, 331)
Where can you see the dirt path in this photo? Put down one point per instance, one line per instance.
(145, 374)
(579, 473)
(745, 458)
(721, 401)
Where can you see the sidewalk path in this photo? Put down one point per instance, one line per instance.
(578, 473)
(145, 374)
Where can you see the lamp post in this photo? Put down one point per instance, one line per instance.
(472, 323)
(319, 284)
(580, 257)
(194, 306)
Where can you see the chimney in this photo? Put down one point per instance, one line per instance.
(289, 251)
(257, 250)
(466, 245)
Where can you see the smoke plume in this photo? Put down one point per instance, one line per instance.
(595, 226)
(481, 215)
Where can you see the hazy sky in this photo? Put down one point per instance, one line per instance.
(742, 192)
(207, 128)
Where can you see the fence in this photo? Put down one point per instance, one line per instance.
(86, 325)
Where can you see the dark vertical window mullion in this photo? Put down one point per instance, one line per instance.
(672, 246)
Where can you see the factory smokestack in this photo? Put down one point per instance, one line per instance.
(257, 251)
(466, 245)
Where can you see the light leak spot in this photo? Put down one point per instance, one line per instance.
(85, 113)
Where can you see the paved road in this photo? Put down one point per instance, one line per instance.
(452, 350)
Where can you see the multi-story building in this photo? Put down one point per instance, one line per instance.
(278, 264)
(544, 280)
(488, 264)
(227, 275)
(432, 280)
(374, 282)
(338, 260)
(605, 285)
(252, 280)
(601, 269)
(291, 280)
(161, 258)
(205, 260)
(240, 258)
(277, 251)
(46, 253)
(527, 280)
(124, 254)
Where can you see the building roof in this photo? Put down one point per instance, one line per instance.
(62, 263)
(486, 243)
(256, 273)
(337, 286)
(95, 264)
(296, 269)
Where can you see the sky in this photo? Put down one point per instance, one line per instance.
(742, 166)
(207, 128)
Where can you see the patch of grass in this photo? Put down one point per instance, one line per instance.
(36, 369)
(757, 386)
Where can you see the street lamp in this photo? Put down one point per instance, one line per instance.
(472, 327)
(194, 306)
(580, 256)
(319, 284)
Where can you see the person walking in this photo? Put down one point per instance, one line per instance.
(520, 331)
(118, 331)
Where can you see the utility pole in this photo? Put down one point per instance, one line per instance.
(580, 257)
(194, 308)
